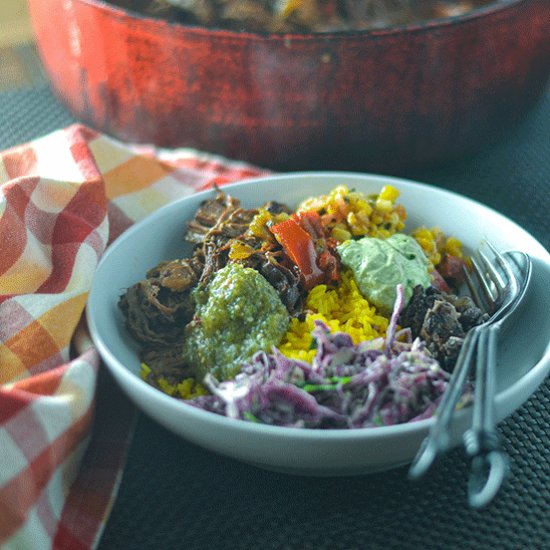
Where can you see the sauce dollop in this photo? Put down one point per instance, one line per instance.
(237, 314)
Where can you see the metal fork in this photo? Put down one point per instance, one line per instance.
(501, 286)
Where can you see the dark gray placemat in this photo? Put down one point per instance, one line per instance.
(175, 495)
(28, 113)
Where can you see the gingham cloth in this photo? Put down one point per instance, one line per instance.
(64, 429)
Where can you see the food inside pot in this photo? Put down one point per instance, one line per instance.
(301, 15)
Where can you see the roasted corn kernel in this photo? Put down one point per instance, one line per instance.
(347, 214)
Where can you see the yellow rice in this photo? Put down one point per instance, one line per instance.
(343, 309)
(187, 388)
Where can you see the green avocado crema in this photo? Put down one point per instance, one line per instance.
(379, 265)
(236, 315)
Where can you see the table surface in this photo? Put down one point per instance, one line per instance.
(176, 495)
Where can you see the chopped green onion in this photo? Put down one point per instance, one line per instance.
(250, 417)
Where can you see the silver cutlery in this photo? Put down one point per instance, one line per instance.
(497, 284)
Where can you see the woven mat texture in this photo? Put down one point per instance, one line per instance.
(176, 495)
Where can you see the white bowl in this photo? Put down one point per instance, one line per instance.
(524, 358)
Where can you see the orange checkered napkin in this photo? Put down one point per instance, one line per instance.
(63, 436)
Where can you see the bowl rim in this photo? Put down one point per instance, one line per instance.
(284, 432)
(494, 8)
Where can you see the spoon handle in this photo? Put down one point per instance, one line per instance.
(489, 462)
(438, 439)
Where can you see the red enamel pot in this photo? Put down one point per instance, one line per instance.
(370, 100)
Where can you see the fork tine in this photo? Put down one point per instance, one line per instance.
(491, 280)
(500, 258)
(486, 280)
(476, 297)
(490, 267)
(509, 282)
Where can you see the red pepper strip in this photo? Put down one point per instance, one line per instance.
(300, 248)
(327, 257)
(311, 222)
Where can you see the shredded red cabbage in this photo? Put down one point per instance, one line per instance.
(375, 383)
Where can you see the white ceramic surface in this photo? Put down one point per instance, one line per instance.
(524, 360)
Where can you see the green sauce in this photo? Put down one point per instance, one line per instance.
(238, 314)
(379, 265)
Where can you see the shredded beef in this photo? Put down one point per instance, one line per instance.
(208, 214)
(157, 308)
(443, 334)
(285, 281)
(442, 320)
(177, 275)
(218, 222)
(164, 361)
(470, 314)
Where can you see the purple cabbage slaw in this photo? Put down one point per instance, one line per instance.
(380, 382)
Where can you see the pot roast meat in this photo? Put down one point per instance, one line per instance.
(231, 225)
(215, 223)
(442, 320)
(214, 260)
(286, 282)
(470, 314)
(177, 275)
(414, 313)
(218, 222)
(157, 308)
(443, 334)
(165, 361)
(211, 213)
